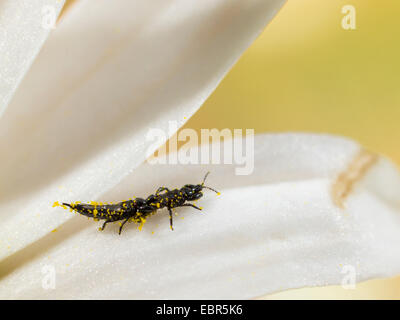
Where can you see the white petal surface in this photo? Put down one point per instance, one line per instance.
(109, 72)
(273, 230)
(24, 26)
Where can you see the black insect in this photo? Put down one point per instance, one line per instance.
(138, 210)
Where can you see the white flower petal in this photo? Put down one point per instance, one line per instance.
(276, 229)
(24, 26)
(109, 72)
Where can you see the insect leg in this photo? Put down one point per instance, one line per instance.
(191, 205)
(122, 225)
(170, 219)
(104, 224)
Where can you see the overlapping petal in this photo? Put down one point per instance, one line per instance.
(109, 72)
(275, 229)
(24, 26)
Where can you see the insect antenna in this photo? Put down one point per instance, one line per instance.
(205, 177)
(211, 189)
(204, 180)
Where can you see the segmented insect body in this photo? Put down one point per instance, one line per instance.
(139, 209)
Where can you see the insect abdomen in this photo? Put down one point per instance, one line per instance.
(113, 212)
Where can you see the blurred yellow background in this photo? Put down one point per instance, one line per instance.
(306, 73)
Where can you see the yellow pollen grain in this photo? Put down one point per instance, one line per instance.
(56, 204)
(54, 230)
(143, 221)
